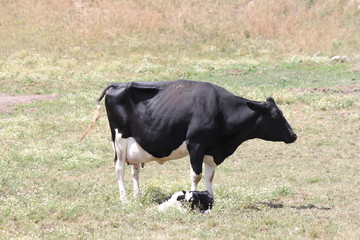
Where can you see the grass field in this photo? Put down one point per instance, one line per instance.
(52, 186)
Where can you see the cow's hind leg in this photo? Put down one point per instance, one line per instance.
(135, 172)
(120, 146)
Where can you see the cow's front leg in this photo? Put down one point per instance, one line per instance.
(210, 167)
(196, 160)
(135, 172)
(194, 179)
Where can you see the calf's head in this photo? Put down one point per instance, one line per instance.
(271, 124)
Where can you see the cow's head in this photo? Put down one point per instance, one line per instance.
(271, 124)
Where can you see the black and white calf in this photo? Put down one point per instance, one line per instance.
(161, 121)
(194, 200)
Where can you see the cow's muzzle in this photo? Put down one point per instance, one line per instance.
(291, 139)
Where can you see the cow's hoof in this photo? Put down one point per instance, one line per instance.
(124, 199)
(137, 194)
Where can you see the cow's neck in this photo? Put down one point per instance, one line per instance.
(243, 118)
(241, 126)
(248, 126)
(241, 123)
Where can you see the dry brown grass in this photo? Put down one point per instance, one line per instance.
(293, 26)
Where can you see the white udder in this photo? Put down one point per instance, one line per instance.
(136, 154)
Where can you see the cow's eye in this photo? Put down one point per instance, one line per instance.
(276, 116)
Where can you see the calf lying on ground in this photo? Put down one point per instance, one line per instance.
(203, 201)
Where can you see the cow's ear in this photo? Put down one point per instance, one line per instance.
(257, 106)
(270, 100)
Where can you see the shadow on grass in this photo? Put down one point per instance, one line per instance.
(280, 205)
(154, 195)
(310, 206)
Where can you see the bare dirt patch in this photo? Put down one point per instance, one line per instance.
(7, 102)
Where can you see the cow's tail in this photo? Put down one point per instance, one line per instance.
(97, 111)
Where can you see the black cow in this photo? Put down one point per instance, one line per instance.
(161, 121)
